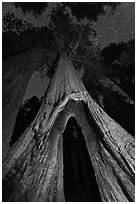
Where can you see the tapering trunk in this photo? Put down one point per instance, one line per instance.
(16, 72)
(33, 169)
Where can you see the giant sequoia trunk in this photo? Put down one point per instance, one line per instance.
(73, 151)
(16, 73)
(116, 102)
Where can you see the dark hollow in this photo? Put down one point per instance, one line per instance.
(79, 178)
(25, 116)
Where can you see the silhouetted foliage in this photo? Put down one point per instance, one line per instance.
(12, 23)
(35, 7)
(63, 35)
(90, 10)
(111, 53)
(80, 10)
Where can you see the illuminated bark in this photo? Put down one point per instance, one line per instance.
(33, 168)
(116, 102)
(16, 73)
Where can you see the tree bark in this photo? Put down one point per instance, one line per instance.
(33, 169)
(115, 102)
(17, 71)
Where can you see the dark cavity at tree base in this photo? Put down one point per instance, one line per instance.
(79, 177)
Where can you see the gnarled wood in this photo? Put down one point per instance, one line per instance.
(33, 169)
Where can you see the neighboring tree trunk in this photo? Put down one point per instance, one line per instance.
(17, 71)
(13, 44)
(33, 168)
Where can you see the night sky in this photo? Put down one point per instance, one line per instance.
(116, 27)
(111, 27)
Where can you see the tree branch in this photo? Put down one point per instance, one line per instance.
(75, 48)
(57, 40)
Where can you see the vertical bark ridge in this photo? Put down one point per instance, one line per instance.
(38, 154)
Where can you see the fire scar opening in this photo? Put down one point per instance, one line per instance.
(79, 177)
